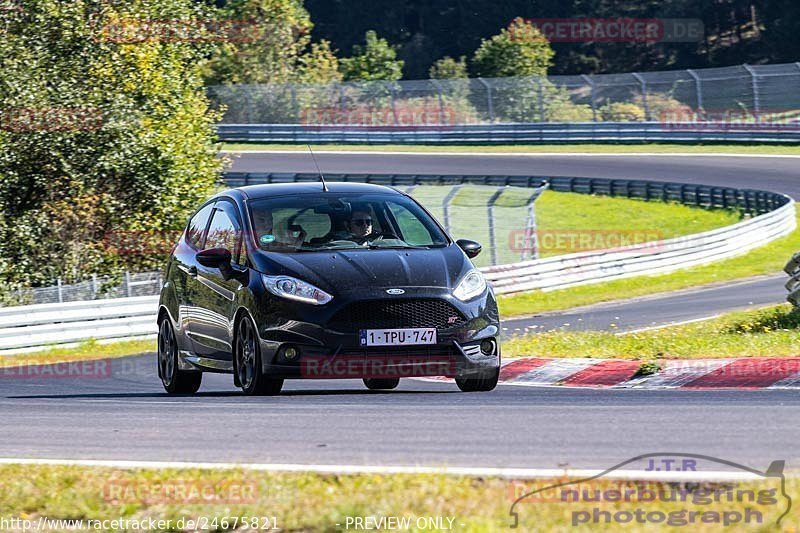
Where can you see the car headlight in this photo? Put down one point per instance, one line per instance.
(295, 289)
(470, 286)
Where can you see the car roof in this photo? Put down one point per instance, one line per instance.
(252, 192)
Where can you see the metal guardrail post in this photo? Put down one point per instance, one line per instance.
(488, 98)
(541, 100)
(391, 88)
(59, 290)
(438, 86)
(128, 284)
(643, 84)
(295, 106)
(342, 105)
(756, 95)
(446, 206)
(250, 105)
(94, 286)
(698, 87)
(590, 82)
(490, 220)
(531, 242)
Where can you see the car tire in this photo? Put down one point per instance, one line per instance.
(247, 363)
(381, 383)
(174, 380)
(482, 384)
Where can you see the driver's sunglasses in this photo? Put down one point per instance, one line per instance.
(362, 221)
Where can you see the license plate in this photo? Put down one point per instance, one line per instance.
(398, 337)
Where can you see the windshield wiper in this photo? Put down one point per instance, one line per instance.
(396, 246)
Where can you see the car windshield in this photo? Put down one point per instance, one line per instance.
(337, 221)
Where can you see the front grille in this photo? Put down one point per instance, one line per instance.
(401, 351)
(382, 314)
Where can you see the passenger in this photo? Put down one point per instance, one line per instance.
(263, 227)
(267, 234)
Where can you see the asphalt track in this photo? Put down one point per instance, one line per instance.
(124, 414)
(657, 310)
(769, 173)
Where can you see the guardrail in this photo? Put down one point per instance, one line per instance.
(62, 323)
(750, 201)
(543, 132)
(657, 257)
(772, 215)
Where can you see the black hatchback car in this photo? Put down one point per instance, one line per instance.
(303, 280)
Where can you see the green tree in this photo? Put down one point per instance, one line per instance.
(100, 134)
(319, 65)
(448, 68)
(274, 35)
(375, 60)
(519, 50)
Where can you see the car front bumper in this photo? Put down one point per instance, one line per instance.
(326, 353)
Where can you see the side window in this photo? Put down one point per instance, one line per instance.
(197, 226)
(413, 230)
(224, 233)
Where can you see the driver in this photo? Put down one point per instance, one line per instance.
(359, 226)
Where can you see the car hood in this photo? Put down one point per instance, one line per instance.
(342, 271)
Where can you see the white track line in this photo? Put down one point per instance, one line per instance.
(668, 325)
(518, 154)
(509, 473)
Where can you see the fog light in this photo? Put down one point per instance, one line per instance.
(487, 347)
(290, 352)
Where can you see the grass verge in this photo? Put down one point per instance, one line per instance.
(768, 332)
(536, 148)
(86, 351)
(767, 259)
(311, 502)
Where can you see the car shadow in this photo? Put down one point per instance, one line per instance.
(224, 394)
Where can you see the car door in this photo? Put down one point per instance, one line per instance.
(184, 271)
(214, 301)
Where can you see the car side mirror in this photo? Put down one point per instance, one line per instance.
(214, 258)
(471, 248)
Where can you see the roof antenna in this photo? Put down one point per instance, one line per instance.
(321, 177)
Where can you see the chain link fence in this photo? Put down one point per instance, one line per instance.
(97, 287)
(742, 94)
